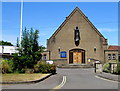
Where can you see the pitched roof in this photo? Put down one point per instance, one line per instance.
(86, 18)
(113, 48)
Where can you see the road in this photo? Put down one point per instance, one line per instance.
(69, 79)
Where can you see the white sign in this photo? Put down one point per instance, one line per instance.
(97, 61)
(50, 62)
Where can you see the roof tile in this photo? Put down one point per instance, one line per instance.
(114, 48)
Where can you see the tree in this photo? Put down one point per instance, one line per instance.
(6, 43)
(42, 48)
(29, 51)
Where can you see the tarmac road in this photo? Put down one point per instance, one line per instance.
(78, 78)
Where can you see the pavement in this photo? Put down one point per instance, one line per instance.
(79, 78)
(109, 76)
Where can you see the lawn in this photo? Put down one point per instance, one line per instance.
(21, 77)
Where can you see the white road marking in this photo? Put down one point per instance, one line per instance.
(106, 79)
(61, 85)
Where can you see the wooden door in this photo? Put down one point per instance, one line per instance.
(77, 57)
(71, 57)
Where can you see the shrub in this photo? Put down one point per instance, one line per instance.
(17, 71)
(44, 67)
(29, 71)
(7, 66)
(106, 67)
(117, 69)
(53, 69)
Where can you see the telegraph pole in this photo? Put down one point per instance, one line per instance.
(21, 16)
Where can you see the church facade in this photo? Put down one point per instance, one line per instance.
(76, 41)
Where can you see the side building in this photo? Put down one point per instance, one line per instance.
(7, 51)
(112, 53)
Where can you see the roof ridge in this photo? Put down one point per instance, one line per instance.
(84, 16)
(67, 18)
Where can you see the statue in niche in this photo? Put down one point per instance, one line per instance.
(76, 36)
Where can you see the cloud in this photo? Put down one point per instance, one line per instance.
(107, 30)
(43, 34)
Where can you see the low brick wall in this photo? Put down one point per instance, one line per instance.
(59, 62)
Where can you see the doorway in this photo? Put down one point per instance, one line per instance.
(76, 56)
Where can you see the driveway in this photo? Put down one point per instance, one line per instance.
(77, 78)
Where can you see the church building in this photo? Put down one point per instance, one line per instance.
(77, 41)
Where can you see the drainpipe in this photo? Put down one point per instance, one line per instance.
(49, 55)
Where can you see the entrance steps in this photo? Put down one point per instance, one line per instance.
(75, 66)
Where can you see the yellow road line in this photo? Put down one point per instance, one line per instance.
(61, 85)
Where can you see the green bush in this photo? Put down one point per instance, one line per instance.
(106, 67)
(29, 71)
(7, 66)
(44, 67)
(17, 71)
(117, 70)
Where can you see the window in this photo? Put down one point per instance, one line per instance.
(95, 50)
(45, 56)
(109, 56)
(119, 57)
(63, 54)
(113, 57)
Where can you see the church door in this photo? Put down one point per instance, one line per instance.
(76, 56)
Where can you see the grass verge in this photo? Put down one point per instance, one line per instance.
(22, 77)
